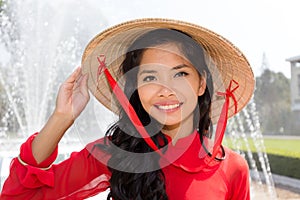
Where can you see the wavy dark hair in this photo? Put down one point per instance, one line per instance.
(136, 177)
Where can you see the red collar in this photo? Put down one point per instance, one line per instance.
(188, 154)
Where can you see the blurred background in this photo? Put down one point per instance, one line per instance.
(41, 42)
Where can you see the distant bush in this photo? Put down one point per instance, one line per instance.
(282, 165)
(283, 154)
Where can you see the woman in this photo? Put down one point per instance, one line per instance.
(162, 146)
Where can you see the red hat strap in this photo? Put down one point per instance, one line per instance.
(123, 100)
(222, 122)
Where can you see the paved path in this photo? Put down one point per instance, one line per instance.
(286, 188)
(287, 194)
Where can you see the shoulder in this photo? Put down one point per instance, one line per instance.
(234, 162)
(236, 171)
(98, 148)
(100, 141)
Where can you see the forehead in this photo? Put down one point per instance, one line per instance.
(166, 54)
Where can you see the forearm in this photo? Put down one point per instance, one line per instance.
(30, 181)
(48, 138)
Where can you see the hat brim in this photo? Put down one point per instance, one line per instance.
(227, 62)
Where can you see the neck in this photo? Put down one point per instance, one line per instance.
(178, 131)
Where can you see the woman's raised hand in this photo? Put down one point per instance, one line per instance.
(72, 98)
(73, 95)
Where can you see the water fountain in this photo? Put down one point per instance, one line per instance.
(41, 43)
(243, 129)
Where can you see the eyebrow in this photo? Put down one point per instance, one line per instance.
(147, 72)
(155, 71)
(180, 67)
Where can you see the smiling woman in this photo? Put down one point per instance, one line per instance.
(168, 87)
(169, 82)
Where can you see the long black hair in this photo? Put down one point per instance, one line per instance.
(138, 177)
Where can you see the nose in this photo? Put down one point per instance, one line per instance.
(165, 91)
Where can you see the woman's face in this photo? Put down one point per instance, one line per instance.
(169, 86)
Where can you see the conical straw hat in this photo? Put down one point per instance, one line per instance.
(226, 62)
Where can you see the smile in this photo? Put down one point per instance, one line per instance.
(169, 107)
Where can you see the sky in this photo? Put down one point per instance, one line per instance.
(259, 28)
(264, 30)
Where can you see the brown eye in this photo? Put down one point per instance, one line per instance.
(149, 78)
(181, 74)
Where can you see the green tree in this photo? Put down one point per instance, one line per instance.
(272, 97)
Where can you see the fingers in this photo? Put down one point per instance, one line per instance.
(80, 81)
(74, 76)
(84, 85)
(77, 77)
(77, 82)
(84, 80)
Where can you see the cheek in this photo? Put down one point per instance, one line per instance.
(189, 93)
(145, 93)
(188, 90)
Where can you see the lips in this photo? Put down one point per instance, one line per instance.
(168, 107)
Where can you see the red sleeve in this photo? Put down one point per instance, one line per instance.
(80, 176)
(238, 176)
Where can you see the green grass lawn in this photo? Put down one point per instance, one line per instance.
(283, 147)
(276, 146)
(283, 154)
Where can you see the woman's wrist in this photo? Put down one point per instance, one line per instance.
(63, 119)
(48, 138)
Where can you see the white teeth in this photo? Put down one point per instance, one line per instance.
(167, 107)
